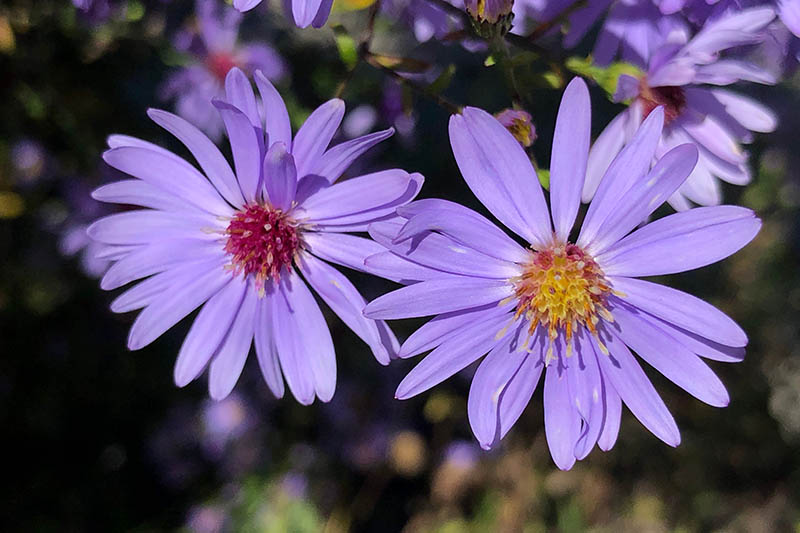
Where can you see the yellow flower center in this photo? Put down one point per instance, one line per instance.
(561, 289)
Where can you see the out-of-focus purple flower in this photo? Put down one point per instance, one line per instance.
(96, 11)
(569, 310)
(239, 242)
(206, 519)
(685, 78)
(223, 421)
(425, 19)
(304, 13)
(519, 123)
(73, 240)
(28, 160)
(214, 49)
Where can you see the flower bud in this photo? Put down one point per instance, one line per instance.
(519, 123)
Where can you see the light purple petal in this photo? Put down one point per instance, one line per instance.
(169, 307)
(748, 112)
(605, 148)
(304, 11)
(569, 156)
(305, 347)
(144, 293)
(727, 71)
(669, 357)
(499, 173)
(323, 12)
(342, 249)
(336, 160)
(266, 351)
(644, 197)
(280, 176)
(438, 251)
(344, 299)
(681, 242)
(157, 257)
(315, 134)
(715, 138)
(245, 147)
(144, 226)
(517, 394)
(701, 346)
(438, 296)
(208, 156)
(613, 410)
(228, 362)
(170, 173)
(462, 224)
(453, 355)
(561, 422)
(681, 309)
(277, 127)
(586, 394)
(442, 327)
(626, 169)
(140, 193)
(207, 332)
(245, 5)
(635, 389)
(362, 199)
(488, 383)
(736, 28)
(239, 93)
(393, 267)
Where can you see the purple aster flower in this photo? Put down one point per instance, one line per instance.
(239, 242)
(304, 13)
(569, 309)
(686, 79)
(214, 49)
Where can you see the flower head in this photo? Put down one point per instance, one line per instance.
(520, 124)
(569, 308)
(213, 49)
(239, 242)
(685, 78)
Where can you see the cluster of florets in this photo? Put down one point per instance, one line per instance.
(562, 288)
(262, 241)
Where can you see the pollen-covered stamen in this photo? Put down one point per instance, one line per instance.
(261, 241)
(561, 289)
(672, 98)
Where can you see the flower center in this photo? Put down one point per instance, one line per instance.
(562, 288)
(672, 98)
(219, 64)
(261, 241)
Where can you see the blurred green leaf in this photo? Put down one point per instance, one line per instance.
(348, 51)
(442, 82)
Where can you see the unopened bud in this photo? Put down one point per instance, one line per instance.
(491, 11)
(519, 123)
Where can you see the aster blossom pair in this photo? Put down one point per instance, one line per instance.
(246, 245)
(569, 309)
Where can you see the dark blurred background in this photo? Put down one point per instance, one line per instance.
(98, 438)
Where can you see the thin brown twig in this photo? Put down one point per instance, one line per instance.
(544, 27)
(424, 90)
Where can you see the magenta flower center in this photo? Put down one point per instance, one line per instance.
(562, 288)
(219, 64)
(262, 241)
(672, 98)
